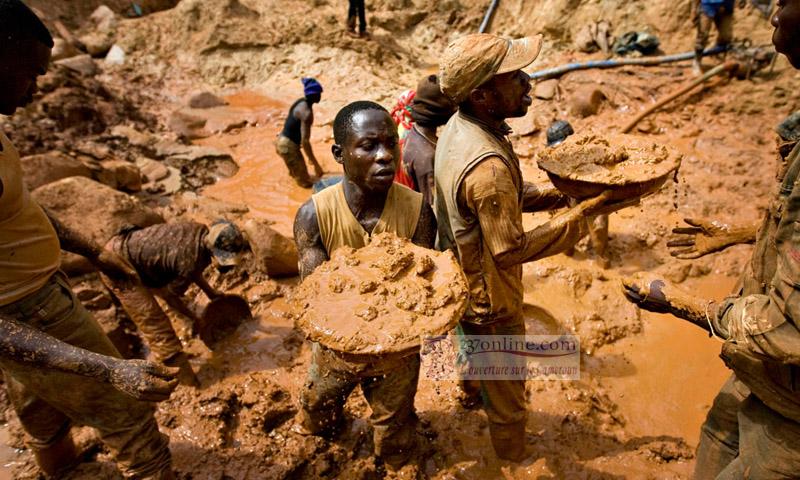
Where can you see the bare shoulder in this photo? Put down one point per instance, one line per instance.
(306, 228)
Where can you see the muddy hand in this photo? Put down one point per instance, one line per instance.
(600, 204)
(591, 206)
(647, 293)
(144, 380)
(699, 239)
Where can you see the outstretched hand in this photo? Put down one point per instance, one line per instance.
(143, 380)
(700, 238)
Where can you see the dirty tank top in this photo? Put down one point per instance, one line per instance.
(338, 227)
(29, 249)
(291, 128)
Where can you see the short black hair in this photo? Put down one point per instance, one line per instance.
(344, 119)
(19, 23)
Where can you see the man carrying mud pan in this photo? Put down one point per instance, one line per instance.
(59, 366)
(168, 258)
(347, 214)
(753, 427)
(297, 133)
(480, 197)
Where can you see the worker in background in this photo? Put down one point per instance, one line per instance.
(60, 368)
(707, 13)
(430, 109)
(296, 134)
(168, 258)
(357, 12)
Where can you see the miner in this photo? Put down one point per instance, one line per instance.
(295, 138)
(348, 214)
(480, 197)
(753, 427)
(60, 368)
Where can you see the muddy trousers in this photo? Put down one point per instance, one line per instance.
(293, 158)
(389, 390)
(743, 438)
(724, 23)
(145, 312)
(48, 402)
(357, 9)
(503, 400)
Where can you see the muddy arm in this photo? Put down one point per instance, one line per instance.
(306, 121)
(541, 197)
(29, 347)
(490, 193)
(310, 249)
(425, 235)
(703, 237)
(210, 291)
(176, 303)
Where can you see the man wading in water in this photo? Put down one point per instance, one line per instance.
(60, 368)
(480, 197)
(297, 133)
(347, 214)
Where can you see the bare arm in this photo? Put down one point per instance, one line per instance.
(306, 116)
(310, 249)
(176, 303)
(201, 282)
(703, 237)
(30, 347)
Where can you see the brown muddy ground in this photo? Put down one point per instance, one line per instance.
(647, 380)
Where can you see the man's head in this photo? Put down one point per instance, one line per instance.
(431, 107)
(787, 30)
(312, 90)
(366, 145)
(25, 46)
(226, 244)
(483, 73)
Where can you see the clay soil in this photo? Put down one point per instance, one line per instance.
(647, 380)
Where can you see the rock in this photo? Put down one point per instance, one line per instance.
(82, 64)
(134, 136)
(206, 100)
(97, 43)
(188, 126)
(274, 254)
(546, 90)
(116, 56)
(62, 49)
(120, 175)
(95, 209)
(152, 170)
(173, 182)
(584, 40)
(199, 166)
(586, 101)
(45, 168)
(104, 18)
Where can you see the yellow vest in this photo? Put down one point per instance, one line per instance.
(338, 227)
(29, 248)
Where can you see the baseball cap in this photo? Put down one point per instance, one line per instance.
(472, 60)
(227, 242)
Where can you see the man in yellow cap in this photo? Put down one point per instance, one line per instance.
(480, 197)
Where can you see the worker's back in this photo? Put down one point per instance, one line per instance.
(292, 125)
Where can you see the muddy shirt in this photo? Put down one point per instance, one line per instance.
(338, 227)
(480, 197)
(167, 254)
(29, 247)
(763, 346)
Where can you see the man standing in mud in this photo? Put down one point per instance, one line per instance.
(753, 427)
(297, 133)
(480, 197)
(705, 14)
(59, 366)
(347, 214)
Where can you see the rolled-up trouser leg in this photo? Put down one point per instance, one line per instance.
(293, 158)
(145, 312)
(503, 400)
(325, 392)
(391, 397)
(719, 435)
(126, 426)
